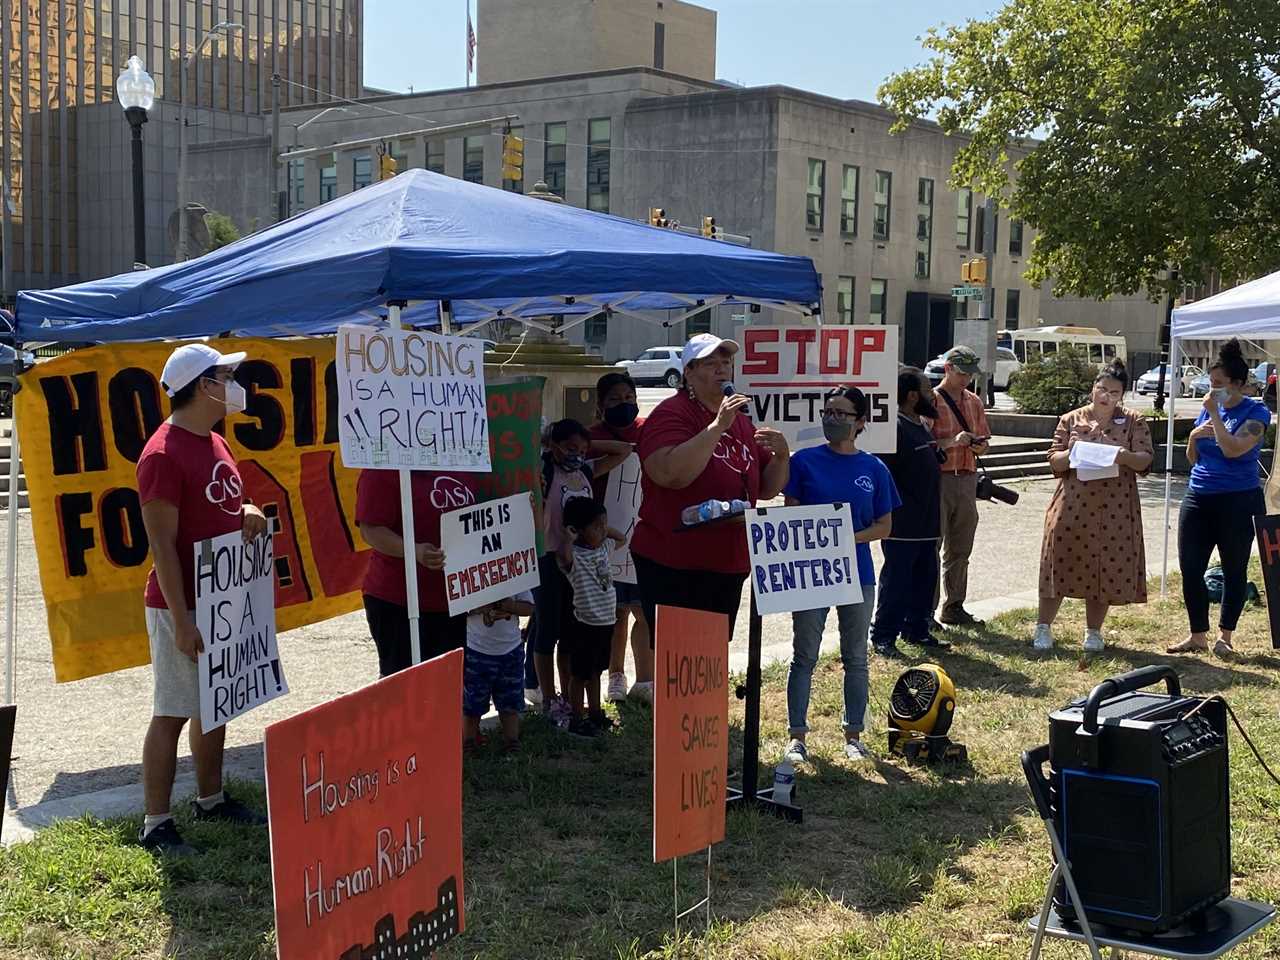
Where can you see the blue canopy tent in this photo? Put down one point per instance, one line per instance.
(448, 250)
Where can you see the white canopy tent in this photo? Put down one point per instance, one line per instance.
(1250, 311)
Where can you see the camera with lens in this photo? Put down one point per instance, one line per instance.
(988, 489)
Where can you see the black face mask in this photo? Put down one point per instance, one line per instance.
(926, 409)
(621, 415)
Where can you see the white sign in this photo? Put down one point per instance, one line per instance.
(788, 371)
(490, 552)
(802, 557)
(410, 400)
(236, 615)
(622, 501)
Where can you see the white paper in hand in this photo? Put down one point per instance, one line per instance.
(1094, 461)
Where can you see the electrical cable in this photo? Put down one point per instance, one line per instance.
(1239, 726)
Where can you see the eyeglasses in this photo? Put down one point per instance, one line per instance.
(838, 415)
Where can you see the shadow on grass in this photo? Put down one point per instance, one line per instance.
(246, 758)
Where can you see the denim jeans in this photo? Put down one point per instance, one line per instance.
(854, 620)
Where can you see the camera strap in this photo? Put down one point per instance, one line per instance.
(964, 425)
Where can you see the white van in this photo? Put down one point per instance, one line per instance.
(1033, 342)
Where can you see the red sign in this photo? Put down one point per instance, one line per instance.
(690, 730)
(364, 796)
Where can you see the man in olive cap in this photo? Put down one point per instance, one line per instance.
(962, 433)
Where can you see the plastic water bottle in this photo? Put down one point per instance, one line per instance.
(784, 783)
(702, 512)
(738, 506)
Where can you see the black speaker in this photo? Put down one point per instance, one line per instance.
(1139, 797)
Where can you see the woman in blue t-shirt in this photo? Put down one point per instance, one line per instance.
(839, 473)
(1224, 496)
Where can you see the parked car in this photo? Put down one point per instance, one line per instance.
(1006, 366)
(1149, 382)
(1265, 376)
(656, 365)
(7, 373)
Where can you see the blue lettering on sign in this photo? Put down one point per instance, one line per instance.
(802, 574)
(778, 536)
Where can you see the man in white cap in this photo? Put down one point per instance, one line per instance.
(190, 490)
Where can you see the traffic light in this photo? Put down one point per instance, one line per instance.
(709, 228)
(512, 157)
(657, 217)
(387, 166)
(974, 272)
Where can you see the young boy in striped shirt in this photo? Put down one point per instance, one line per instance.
(588, 631)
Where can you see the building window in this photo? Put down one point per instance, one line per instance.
(698, 323)
(598, 137)
(473, 159)
(849, 202)
(659, 46)
(980, 231)
(515, 186)
(844, 300)
(959, 309)
(1012, 309)
(361, 171)
(553, 158)
(597, 330)
(924, 227)
(884, 197)
(964, 216)
(297, 184)
(879, 295)
(329, 181)
(435, 156)
(1015, 238)
(813, 199)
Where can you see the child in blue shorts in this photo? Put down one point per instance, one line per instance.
(494, 669)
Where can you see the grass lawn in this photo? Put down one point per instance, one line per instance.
(892, 862)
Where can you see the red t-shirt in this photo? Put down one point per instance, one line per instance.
(378, 504)
(602, 431)
(198, 475)
(732, 473)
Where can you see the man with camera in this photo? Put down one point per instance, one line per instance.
(962, 434)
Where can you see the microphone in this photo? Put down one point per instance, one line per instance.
(728, 389)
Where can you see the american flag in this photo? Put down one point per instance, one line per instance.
(471, 45)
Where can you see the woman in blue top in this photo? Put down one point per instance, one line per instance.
(839, 473)
(1224, 496)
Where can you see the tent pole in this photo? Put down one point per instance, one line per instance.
(11, 571)
(1175, 386)
(407, 534)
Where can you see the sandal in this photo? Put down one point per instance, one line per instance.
(1187, 646)
(1223, 648)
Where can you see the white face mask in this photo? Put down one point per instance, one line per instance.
(233, 396)
(1220, 394)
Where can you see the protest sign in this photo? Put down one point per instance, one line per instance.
(364, 799)
(411, 400)
(236, 615)
(8, 718)
(1268, 530)
(690, 730)
(802, 558)
(490, 552)
(84, 418)
(622, 501)
(787, 371)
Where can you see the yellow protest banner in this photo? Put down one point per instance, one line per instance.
(84, 419)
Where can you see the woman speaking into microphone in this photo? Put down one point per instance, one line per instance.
(696, 446)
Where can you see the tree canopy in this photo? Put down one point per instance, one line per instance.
(1158, 127)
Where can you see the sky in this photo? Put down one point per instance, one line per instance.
(840, 48)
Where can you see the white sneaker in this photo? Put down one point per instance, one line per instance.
(797, 752)
(617, 687)
(533, 695)
(1043, 639)
(857, 751)
(1093, 642)
(642, 690)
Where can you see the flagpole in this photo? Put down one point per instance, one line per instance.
(466, 39)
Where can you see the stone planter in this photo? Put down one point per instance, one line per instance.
(1041, 427)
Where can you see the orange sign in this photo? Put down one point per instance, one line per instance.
(364, 796)
(690, 730)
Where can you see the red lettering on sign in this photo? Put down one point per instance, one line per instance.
(758, 361)
(802, 338)
(840, 338)
(271, 497)
(1269, 540)
(340, 565)
(871, 340)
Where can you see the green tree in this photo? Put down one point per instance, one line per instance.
(1161, 133)
(1055, 382)
(222, 229)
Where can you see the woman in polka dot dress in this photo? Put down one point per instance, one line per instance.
(1092, 545)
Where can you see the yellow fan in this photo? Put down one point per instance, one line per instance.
(921, 708)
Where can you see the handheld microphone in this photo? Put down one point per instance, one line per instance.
(728, 389)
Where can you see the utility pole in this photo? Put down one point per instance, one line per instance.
(1166, 375)
(986, 309)
(278, 194)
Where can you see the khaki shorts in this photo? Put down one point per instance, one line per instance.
(176, 681)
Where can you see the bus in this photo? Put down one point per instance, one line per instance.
(1033, 342)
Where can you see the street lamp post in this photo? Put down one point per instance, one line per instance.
(226, 28)
(136, 92)
(296, 128)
